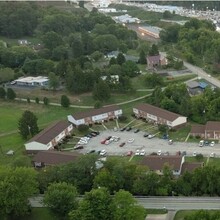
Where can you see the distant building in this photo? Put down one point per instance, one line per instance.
(49, 137)
(209, 131)
(195, 87)
(159, 116)
(156, 163)
(156, 61)
(23, 42)
(150, 31)
(107, 10)
(50, 158)
(95, 115)
(126, 19)
(32, 81)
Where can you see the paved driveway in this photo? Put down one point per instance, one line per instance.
(157, 217)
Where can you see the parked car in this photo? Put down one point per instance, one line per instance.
(194, 154)
(206, 143)
(159, 152)
(131, 140)
(150, 136)
(129, 153)
(165, 136)
(108, 138)
(170, 142)
(107, 142)
(128, 128)
(136, 130)
(212, 155)
(212, 144)
(122, 144)
(137, 153)
(166, 153)
(93, 134)
(103, 141)
(96, 132)
(201, 143)
(103, 152)
(146, 135)
(122, 129)
(142, 152)
(89, 135)
(91, 152)
(78, 147)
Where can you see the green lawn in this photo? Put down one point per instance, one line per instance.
(180, 134)
(181, 214)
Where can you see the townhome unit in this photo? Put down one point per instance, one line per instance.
(159, 116)
(209, 131)
(156, 163)
(49, 137)
(95, 115)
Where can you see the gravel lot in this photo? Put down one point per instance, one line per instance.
(140, 142)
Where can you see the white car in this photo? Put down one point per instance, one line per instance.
(142, 153)
(194, 154)
(212, 155)
(137, 153)
(107, 142)
(103, 152)
(159, 152)
(82, 142)
(131, 140)
(212, 144)
(150, 136)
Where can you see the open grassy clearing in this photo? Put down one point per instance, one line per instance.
(179, 79)
(181, 214)
(180, 134)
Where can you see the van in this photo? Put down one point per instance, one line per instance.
(201, 143)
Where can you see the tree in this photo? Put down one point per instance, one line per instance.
(2, 93)
(96, 205)
(37, 100)
(130, 69)
(52, 40)
(83, 128)
(11, 95)
(17, 185)
(167, 15)
(153, 50)
(142, 57)
(101, 91)
(153, 80)
(53, 81)
(6, 74)
(120, 59)
(61, 198)
(97, 104)
(45, 101)
(65, 102)
(126, 207)
(27, 124)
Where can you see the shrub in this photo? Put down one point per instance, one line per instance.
(83, 128)
(37, 100)
(122, 118)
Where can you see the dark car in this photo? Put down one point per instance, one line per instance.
(109, 137)
(96, 132)
(78, 147)
(136, 130)
(122, 129)
(128, 128)
(122, 144)
(93, 134)
(206, 143)
(89, 135)
(91, 152)
(146, 135)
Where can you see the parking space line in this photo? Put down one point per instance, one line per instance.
(187, 137)
(91, 129)
(151, 127)
(117, 125)
(104, 126)
(131, 158)
(130, 122)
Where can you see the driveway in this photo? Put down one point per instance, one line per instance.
(157, 217)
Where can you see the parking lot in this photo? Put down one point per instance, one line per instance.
(136, 141)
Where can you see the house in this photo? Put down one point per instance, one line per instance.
(156, 163)
(49, 158)
(159, 116)
(49, 137)
(209, 131)
(95, 115)
(32, 81)
(191, 166)
(150, 31)
(195, 87)
(156, 61)
(126, 19)
(23, 42)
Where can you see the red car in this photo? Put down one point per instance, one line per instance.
(103, 142)
(129, 153)
(122, 144)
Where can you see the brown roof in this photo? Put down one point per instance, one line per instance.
(198, 129)
(93, 112)
(153, 59)
(155, 162)
(55, 157)
(159, 112)
(213, 126)
(190, 167)
(50, 132)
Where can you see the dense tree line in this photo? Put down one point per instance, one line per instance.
(197, 41)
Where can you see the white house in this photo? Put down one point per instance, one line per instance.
(32, 81)
(159, 116)
(95, 115)
(49, 137)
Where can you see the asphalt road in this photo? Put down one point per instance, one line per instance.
(169, 203)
